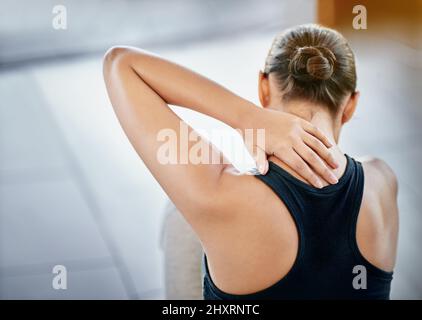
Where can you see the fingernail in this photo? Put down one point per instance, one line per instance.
(333, 178)
(319, 184)
(262, 167)
(266, 167)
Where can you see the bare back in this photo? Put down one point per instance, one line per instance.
(259, 233)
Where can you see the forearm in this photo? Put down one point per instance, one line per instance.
(141, 86)
(180, 86)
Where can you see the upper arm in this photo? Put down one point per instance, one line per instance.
(157, 133)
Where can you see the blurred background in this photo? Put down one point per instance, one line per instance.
(72, 190)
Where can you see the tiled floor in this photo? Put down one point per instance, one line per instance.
(73, 192)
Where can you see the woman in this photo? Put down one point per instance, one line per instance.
(315, 223)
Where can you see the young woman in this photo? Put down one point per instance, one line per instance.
(316, 223)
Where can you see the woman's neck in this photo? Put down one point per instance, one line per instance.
(318, 116)
(324, 121)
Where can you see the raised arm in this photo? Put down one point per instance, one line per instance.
(140, 85)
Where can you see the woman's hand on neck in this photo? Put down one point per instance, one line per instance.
(325, 121)
(319, 116)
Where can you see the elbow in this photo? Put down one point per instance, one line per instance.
(116, 55)
(115, 52)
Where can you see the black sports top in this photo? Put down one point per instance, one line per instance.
(329, 264)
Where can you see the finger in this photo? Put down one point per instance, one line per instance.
(261, 160)
(294, 161)
(310, 128)
(315, 162)
(320, 149)
(252, 149)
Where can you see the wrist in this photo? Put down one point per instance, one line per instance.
(247, 118)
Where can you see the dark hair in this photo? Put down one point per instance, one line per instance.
(313, 63)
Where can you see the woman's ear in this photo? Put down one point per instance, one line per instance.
(350, 107)
(263, 89)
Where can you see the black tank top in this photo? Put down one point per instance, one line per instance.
(329, 264)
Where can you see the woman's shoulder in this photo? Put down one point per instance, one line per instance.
(379, 173)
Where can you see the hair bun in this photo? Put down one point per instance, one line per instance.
(312, 63)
